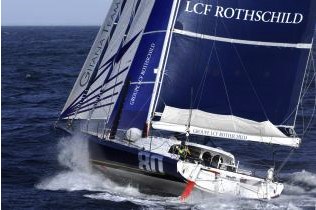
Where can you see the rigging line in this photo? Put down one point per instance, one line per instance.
(245, 70)
(197, 55)
(75, 104)
(202, 84)
(118, 73)
(103, 91)
(95, 96)
(110, 109)
(82, 107)
(311, 81)
(138, 113)
(223, 79)
(303, 119)
(303, 93)
(156, 98)
(106, 65)
(190, 116)
(284, 162)
(118, 55)
(310, 55)
(96, 68)
(108, 104)
(226, 90)
(314, 107)
(113, 65)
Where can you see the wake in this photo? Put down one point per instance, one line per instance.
(78, 175)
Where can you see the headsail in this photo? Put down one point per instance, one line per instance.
(119, 86)
(242, 58)
(92, 63)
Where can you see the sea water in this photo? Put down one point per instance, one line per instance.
(43, 169)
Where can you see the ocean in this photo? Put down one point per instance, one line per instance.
(44, 169)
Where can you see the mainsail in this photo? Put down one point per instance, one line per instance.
(241, 58)
(244, 60)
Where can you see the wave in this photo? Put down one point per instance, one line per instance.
(80, 176)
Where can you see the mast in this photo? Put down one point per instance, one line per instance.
(164, 54)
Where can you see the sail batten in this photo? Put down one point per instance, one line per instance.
(246, 42)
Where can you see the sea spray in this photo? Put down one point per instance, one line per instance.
(78, 175)
(74, 154)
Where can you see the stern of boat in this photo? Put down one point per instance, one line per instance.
(217, 181)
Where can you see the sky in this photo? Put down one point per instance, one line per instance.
(53, 12)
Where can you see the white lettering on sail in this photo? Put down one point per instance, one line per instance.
(95, 56)
(244, 14)
(220, 134)
(199, 8)
(142, 74)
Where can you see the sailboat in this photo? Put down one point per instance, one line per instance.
(161, 72)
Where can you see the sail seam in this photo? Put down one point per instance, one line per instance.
(245, 42)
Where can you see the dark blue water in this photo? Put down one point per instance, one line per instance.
(41, 169)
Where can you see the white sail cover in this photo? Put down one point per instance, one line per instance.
(221, 126)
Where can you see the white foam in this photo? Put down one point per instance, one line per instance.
(73, 153)
(79, 175)
(304, 177)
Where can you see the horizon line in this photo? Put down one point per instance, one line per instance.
(74, 25)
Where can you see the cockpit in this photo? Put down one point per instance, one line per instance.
(207, 156)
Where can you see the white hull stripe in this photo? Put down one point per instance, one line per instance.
(240, 41)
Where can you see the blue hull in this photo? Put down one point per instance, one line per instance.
(128, 165)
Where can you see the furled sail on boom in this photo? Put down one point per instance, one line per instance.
(222, 126)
